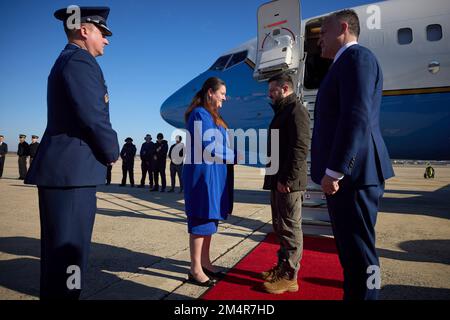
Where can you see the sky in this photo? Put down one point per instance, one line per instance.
(157, 46)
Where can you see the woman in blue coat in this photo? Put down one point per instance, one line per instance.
(207, 175)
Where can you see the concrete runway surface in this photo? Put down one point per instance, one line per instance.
(140, 242)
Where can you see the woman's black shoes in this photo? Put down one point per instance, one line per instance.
(207, 283)
(217, 275)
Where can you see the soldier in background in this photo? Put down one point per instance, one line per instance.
(147, 150)
(3, 152)
(23, 151)
(159, 158)
(127, 154)
(33, 147)
(108, 174)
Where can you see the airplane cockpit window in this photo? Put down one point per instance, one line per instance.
(434, 32)
(237, 58)
(404, 36)
(220, 64)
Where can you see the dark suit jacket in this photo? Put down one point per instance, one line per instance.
(79, 140)
(3, 149)
(347, 136)
(23, 149)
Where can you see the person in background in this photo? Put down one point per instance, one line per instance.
(146, 161)
(3, 153)
(176, 163)
(33, 147)
(160, 156)
(23, 152)
(127, 154)
(108, 174)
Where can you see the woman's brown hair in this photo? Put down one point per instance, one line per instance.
(199, 99)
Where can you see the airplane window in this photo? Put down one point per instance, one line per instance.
(237, 58)
(434, 32)
(404, 36)
(220, 63)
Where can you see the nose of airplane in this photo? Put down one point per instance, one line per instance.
(173, 109)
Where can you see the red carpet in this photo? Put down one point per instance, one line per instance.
(320, 276)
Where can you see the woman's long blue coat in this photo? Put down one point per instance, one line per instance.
(208, 185)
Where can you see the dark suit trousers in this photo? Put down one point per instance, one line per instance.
(108, 173)
(2, 164)
(67, 219)
(353, 212)
(146, 168)
(176, 169)
(160, 171)
(22, 167)
(129, 167)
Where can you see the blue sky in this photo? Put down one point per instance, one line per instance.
(157, 46)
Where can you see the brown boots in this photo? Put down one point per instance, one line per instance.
(277, 283)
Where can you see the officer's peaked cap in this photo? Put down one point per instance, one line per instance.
(95, 15)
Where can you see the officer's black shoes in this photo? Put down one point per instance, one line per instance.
(207, 283)
(132, 186)
(141, 186)
(122, 185)
(163, 190)
(154, 189)
(171, 190)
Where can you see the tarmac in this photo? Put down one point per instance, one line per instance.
(140, 242)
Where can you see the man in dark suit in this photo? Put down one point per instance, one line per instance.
(23, 152)
(348, 155)
(33, 147)
(127, 154)
(71, 161)
(159, 162)
(146, 153)
(3, 153)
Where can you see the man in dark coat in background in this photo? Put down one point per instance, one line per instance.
(127, 154)
(147, 150)
(3, 152)
(33, 147)
(23, 151)
(161, 148)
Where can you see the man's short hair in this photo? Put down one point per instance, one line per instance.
(71, 33)
(283, 79)
(351, 18)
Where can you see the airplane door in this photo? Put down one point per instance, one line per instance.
(280, 43)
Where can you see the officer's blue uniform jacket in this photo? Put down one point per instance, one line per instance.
(79, 140)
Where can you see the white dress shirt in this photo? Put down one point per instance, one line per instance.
(329, 172)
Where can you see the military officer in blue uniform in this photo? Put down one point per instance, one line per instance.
(71, 161)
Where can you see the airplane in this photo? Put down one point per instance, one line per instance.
(413, 48)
